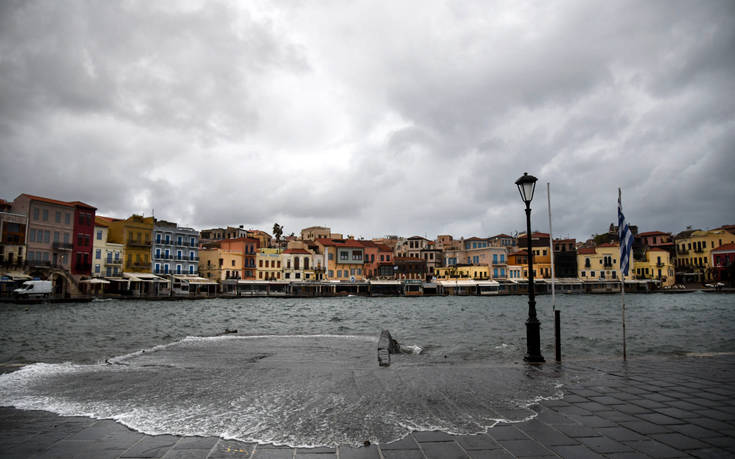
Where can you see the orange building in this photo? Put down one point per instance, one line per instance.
(246, 246)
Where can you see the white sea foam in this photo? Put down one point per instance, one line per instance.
(300, 390)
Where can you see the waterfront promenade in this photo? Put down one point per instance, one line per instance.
(648, 407)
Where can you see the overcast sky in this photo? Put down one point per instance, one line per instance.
(374, 118)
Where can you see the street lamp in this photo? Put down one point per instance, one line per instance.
(526, 186)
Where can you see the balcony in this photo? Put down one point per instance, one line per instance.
(682, 251)
(61, 246)
(698, 250)
(146, 244)
(607, 265)
(140, 265)
(659, 265)
(111, 261)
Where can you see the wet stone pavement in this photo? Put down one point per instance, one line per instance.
(673, 407)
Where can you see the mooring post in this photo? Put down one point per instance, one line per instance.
(557, 334)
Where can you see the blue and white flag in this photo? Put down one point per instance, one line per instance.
(626, 239)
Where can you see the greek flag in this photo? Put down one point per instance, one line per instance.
(626, 239)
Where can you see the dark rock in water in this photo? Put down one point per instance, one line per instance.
(386, 346)
(227, 331)
(366, 443)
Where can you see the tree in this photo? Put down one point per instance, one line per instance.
(277, 231)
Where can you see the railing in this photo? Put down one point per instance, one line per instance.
(659, 265)
(699, 250)
(111, 261)
(140, 264)
(62, 246)
(139, 243)
(682, 251)
(607, 265)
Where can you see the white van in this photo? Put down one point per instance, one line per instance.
(34, 288)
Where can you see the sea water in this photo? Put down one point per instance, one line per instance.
(303, 372)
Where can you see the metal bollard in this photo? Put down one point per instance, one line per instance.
(557, 334)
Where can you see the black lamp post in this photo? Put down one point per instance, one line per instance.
(526, 186)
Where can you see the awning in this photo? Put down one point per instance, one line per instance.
(143, 277)
(385, 282)
(488, 284)
(94, 281)
(17, 276)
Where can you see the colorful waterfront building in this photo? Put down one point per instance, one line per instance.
(216, 263)
(602, 262)
(565, 258)
(175, 249)
(723, 264)
(693, 253)
(135, 234)
(375, 255)
(83, 241)
(107, 257)
(298, 265)
(456, 272)
(248, 248)
(343, 259)
(54, 234)
(656, 264)
(12, 236)
(268, 261)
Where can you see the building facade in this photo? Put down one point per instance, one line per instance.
(219, 264)
(107, 257)
(135, 234)
(50, 230)
(175, 249)
(343, 259)
(12, 239)
(693, 253)
(83, 240)
(269, 264)
(655, 265)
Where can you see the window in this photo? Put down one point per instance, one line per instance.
(495, 272)
(331, 256)
(339, 273)
(495, 258)
(32, 236)
(359, 271)
(344, 255)
(66, 238)
(233, 262)
(46, 236)
(502, 272)
(502, 258)
(331, 273)
(157, 268)
(67, 218)
(58, 217)
(99, 235)
(260, 263)
(45, 215)
(158, 238)
(98, 254)
(36, 213)
(298, 276)
(191, 269)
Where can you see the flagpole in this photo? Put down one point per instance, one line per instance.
(551, 248)
(622, 283)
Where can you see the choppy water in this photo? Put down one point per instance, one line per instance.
(304, 372)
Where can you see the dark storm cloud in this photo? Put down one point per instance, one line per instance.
(373, 118)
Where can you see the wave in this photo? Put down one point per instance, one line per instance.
(295, 390)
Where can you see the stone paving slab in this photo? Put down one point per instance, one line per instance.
(666, 407)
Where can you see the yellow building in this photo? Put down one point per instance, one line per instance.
(218, 264)
(135, 233)
(268, 264)
(541, 264)
(601, 263)
(694, 251)
(463, 272)
(656, 265)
